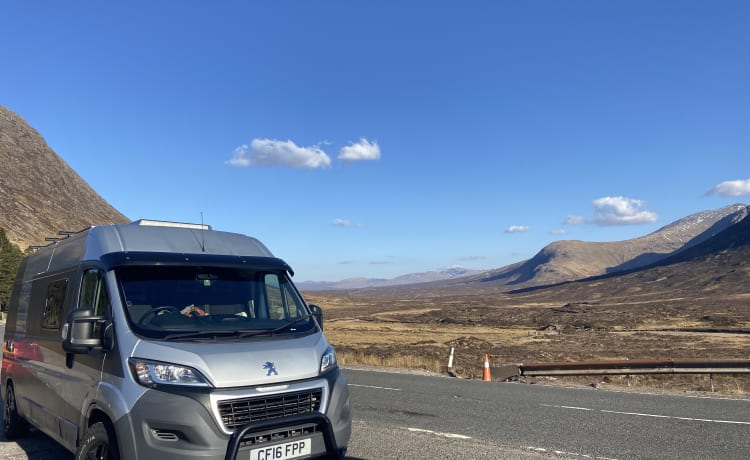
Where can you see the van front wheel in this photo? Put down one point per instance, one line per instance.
(14, 425)
(99, 444)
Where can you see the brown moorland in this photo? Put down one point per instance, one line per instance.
(695, 304)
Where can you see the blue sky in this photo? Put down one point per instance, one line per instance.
(374, 139)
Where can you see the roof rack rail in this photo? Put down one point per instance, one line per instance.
(164, 223)
(64, 234)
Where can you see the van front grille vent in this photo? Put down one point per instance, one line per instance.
(236, 413)
(165, 435)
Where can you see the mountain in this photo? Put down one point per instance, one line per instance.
(708, 278)
(412, 278)
(712, 270)
(567, 260)
(40, 194)
(571, 260)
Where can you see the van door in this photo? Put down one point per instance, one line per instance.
(41, 352)
(84, 371)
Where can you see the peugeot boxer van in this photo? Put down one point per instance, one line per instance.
(160, 340)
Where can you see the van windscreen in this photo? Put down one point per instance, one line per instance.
(210, 303)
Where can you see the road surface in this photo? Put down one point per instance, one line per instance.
(403, 415)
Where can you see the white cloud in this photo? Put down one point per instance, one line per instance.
(362, 150)
(559, 231)
(271, 152)
(618, 210)
(573, 220)
(517, 229)
(345, 223)
(731, 188)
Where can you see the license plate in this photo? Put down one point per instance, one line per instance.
(293, 449)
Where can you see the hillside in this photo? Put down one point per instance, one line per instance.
(721, 262)
(570, 260)
(39, 193)
(563, 261)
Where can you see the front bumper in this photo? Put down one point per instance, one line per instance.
(183, 425)
(271, 433)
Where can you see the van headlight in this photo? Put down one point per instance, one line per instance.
(153, 373)
(328, 361)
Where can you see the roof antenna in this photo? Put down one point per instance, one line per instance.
(203, 236)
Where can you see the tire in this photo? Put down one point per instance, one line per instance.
(99, 443)
(14, 425)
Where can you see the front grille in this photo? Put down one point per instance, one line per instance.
(239, 412)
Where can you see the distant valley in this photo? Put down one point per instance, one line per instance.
(568, 260)
(412, 278)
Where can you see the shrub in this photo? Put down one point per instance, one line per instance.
(10, 259)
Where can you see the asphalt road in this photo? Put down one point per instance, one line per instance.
(567, 422)
(402, 415)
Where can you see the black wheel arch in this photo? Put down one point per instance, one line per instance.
(94, 416)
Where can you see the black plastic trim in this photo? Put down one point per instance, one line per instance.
(317, 418)
(119, 259)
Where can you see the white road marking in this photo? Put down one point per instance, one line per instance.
(638, 414)
(377, 388)
(567, 454)
(567, 407)
(437, 433)
(690, 419)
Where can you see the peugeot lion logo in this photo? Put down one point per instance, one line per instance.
(271, 368)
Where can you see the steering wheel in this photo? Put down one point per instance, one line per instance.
(157, 311)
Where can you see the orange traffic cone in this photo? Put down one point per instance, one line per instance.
(486, 376)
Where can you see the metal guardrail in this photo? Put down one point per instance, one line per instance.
(637, 366)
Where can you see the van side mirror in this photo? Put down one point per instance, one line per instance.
(78, 331)
(317, 313)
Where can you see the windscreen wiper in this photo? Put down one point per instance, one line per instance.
(207, 334)
(275, 330)
(213, 333)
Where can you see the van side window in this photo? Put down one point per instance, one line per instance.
(101, 307)
(53, 304)
(94, 295)
(88, 289)
(292, 304)
(282, 302)
(273, 297)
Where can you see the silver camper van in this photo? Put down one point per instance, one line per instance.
(159, 340)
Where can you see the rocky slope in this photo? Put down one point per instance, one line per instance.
(39, 193)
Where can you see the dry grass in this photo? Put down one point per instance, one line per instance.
(417, 331)
(408, 361)
(734, 385)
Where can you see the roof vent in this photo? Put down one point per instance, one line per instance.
(161, 223)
